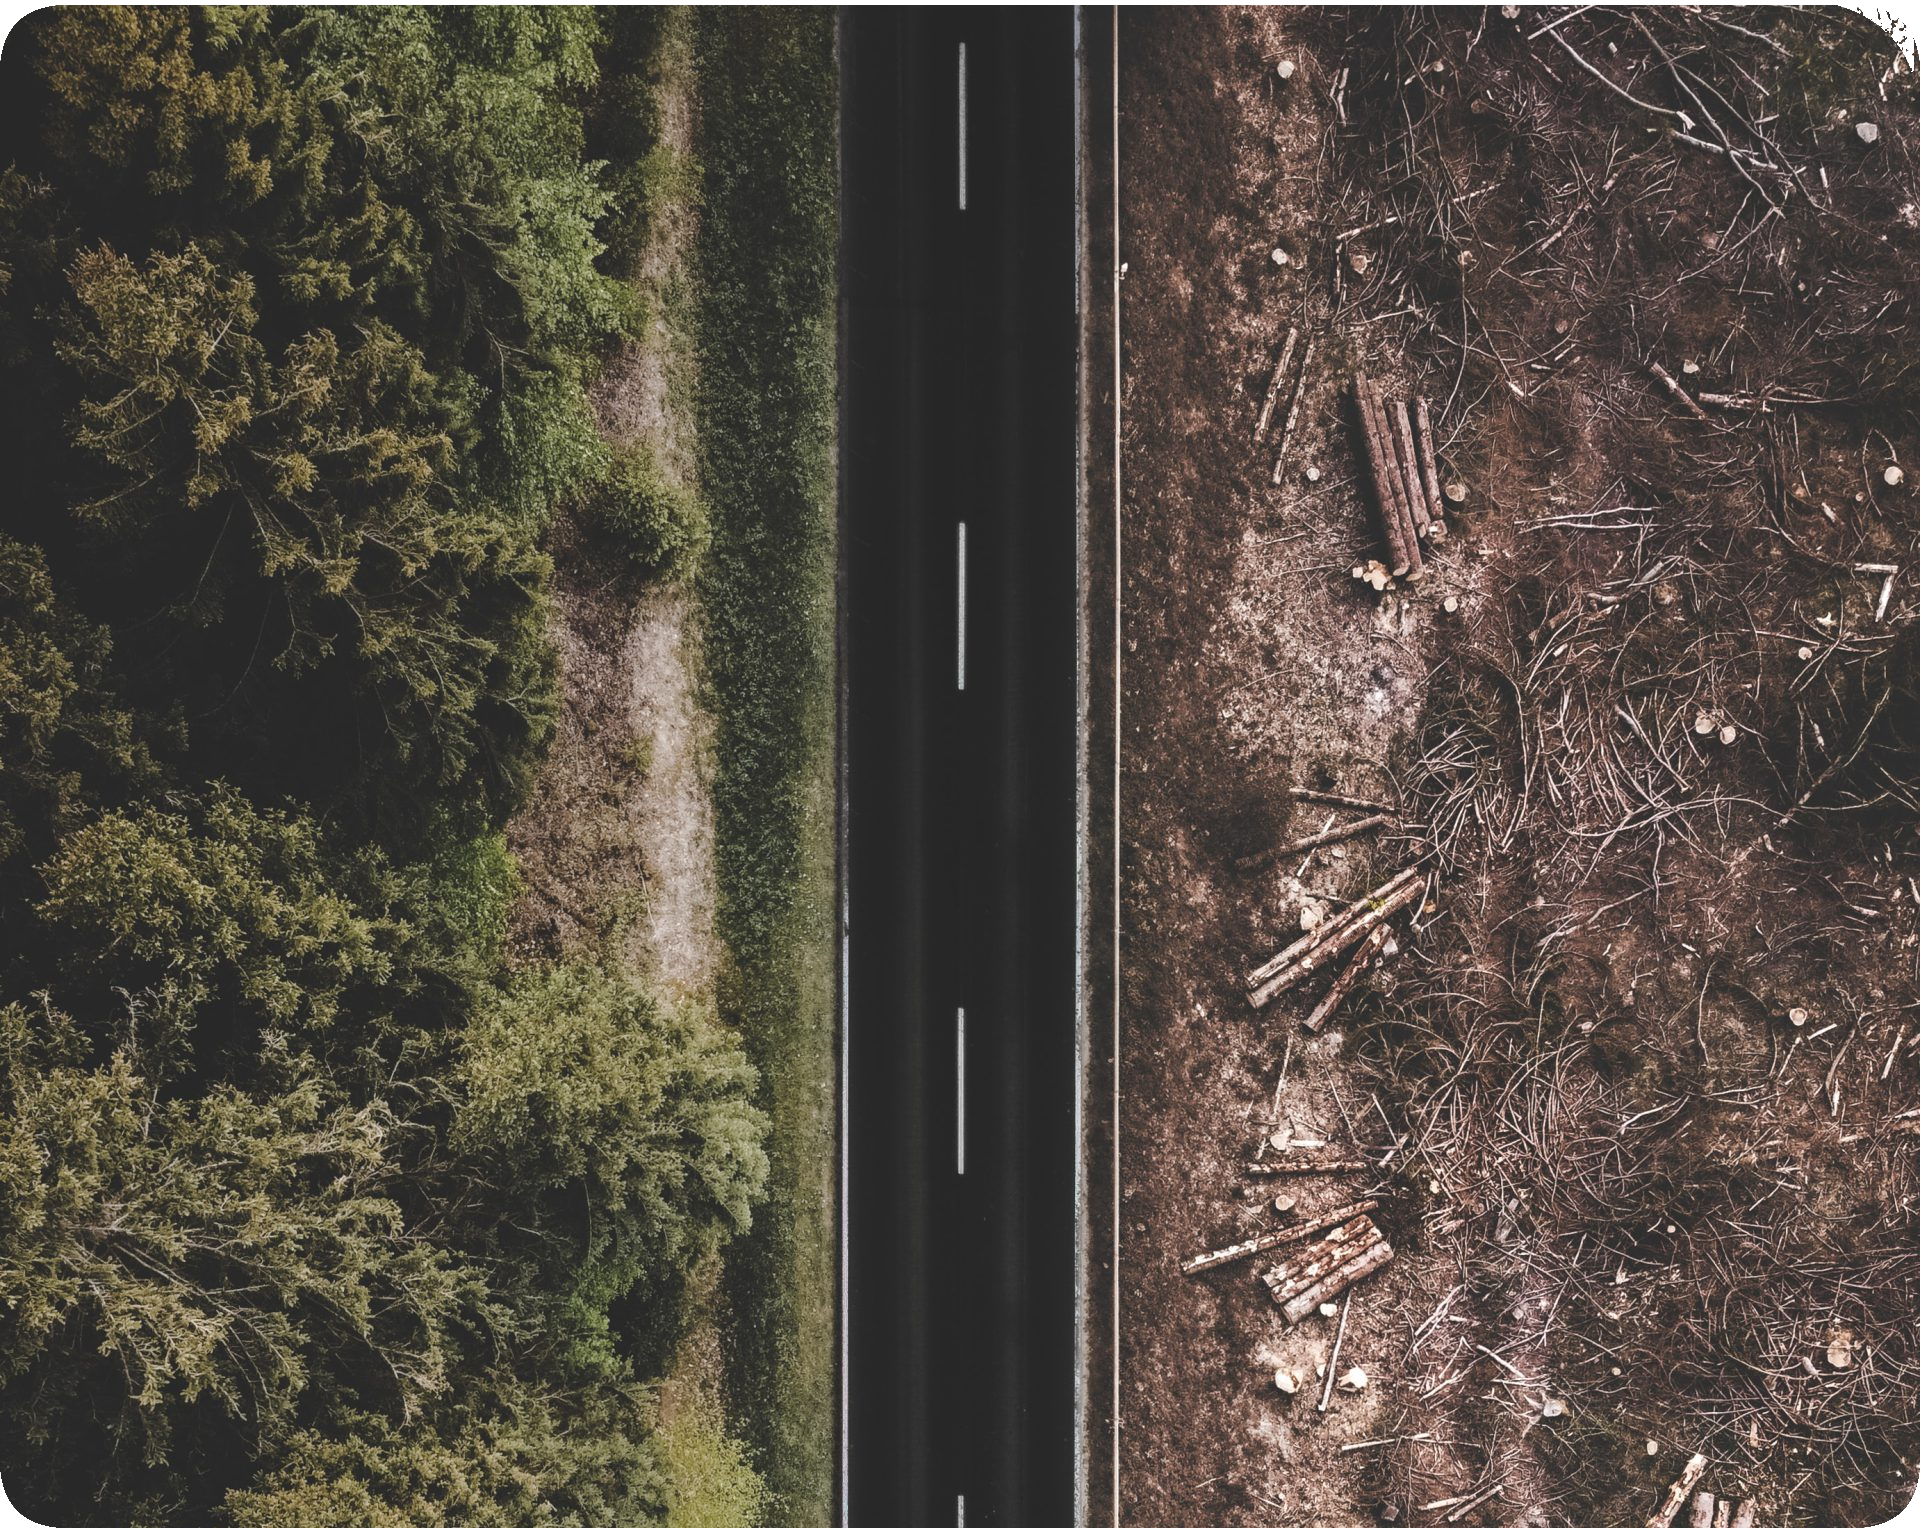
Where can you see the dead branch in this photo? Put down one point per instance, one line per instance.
(1307, 1167)
(1680, 394)
(1334, 835)
(1429, 467)
(1329, 798)
(1273, 387)
(1293, 408)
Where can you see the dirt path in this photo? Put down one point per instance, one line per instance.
(620, 831)
(619, 836)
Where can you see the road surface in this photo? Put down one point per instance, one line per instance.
(959, 477)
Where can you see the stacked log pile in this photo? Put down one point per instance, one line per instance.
(1319, 945)
(1403, 471)
(1326, 1270)
(1285, 1236)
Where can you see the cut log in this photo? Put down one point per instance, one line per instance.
(1347, 980)
(1334, 835)
(1381, 476)
(1307, 1167)
(1410, 470)
(1743, 1514)
(1328, 929)
(1677, 1493)
(1356, 1231)
(1702, 1517)
(1311, 960)
(1680, 394)
(1342, 1278)
(1267, 1240)
(1723, 1514)
(1429, 467)
(1285, 1280)
(1273, 387)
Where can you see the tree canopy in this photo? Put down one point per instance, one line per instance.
(312, 1211)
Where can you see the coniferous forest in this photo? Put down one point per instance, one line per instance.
(317, 1205)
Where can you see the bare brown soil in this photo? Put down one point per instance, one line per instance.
(1639, 1211)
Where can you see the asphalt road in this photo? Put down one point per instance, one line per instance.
(959, 426)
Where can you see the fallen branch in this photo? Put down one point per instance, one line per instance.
(1333, 1358)
(1347, 980)
(1743, 1514)
(1703, 1503)
(1293, 408)
(1273, 387)
(1342, 1278)
(1429, 467)
(1266, 1241)
(1680, 394)
(1677, 1492)
(1334, 835)
(1306, 1167)
(1312, 959)
(1329, 798)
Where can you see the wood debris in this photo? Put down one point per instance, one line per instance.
(1680, 394)
(1273, 387)
(1677, 1493)
(1394, 521)
(1286, 1237)
(1340, 1245)
(1314, 949)
(1342, 1277)
(1347, 980)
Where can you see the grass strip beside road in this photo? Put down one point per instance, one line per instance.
(765, 263)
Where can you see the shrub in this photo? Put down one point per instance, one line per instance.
(619, 1135)
(659, 525)
(710, 1481)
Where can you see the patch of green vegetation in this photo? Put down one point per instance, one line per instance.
(309, 1214)
(647, 47)
(660, 526)
(765, 395)
(711, 1483)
